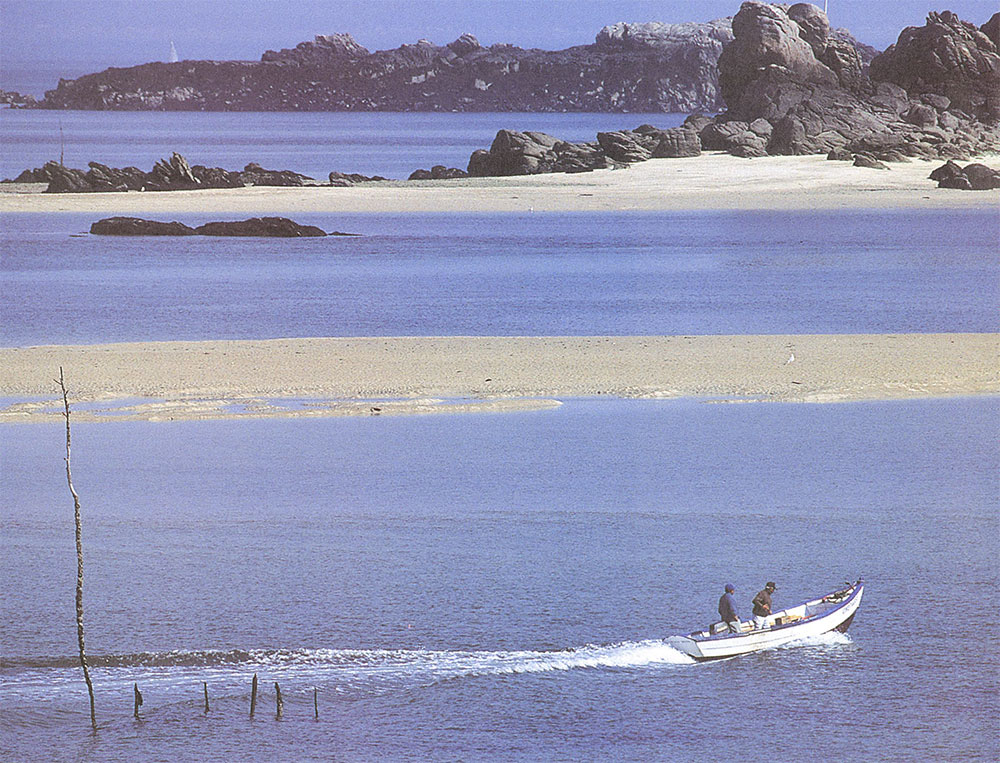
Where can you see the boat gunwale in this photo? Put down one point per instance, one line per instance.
(855, 589)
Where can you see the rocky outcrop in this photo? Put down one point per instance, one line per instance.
(651, 67)
(344, 179)
(173, 174)
(134, 226)
(792, 86)
(948, 58)
(272, 227)
(972, 177)
(532, 153)
(254, 174)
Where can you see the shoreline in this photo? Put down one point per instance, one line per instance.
(310, 377)
(712, 181)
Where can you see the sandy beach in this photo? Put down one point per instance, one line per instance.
(384, 375)
(711, 181)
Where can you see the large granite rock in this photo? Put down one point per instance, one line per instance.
(273, 227)
(787, 68)
(947, 57)
(135, 226)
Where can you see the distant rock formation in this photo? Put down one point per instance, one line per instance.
(651, 67)
(271, 227)
(16, 100)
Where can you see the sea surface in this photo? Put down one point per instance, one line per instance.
(389, 144)
(492, 587)
(498, 587)
(525, 274)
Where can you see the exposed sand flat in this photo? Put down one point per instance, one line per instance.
(356, 376)
(710, 181)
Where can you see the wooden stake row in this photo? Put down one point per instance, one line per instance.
(278, 699)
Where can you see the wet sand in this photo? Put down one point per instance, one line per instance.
(710, 181)
(159, 381)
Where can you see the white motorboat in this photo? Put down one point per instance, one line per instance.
(833, 612)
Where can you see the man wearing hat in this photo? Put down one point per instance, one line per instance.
(727, 609)
(762, 605)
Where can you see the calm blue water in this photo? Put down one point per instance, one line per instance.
(541, 274)
(452, 594)
(384, 143)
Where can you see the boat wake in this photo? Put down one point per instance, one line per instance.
(345, 669)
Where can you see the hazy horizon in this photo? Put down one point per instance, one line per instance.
(42, 40)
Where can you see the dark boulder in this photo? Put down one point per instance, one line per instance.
(171, 174)
(981, 177)
(344, 179)
(840, 155)
(735, 137)
(134, 226)
(677, 142)
(864, 160)
(949, 169)
(438, 172)
(626, 146)
(278, 227)
(65, 180)
(254, 174)
(216, 177)
(104, 178)
(36, 175)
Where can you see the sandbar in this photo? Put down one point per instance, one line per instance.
(160, 381)
(712, 181)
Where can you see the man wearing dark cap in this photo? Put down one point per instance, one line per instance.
(762, 605)
(727, 609)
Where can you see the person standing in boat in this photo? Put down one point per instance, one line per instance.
(727, 609)
(762, 606)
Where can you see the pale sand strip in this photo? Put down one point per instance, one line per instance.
(709, 182)
(343, 376)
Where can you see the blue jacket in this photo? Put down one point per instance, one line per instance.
(727, 608)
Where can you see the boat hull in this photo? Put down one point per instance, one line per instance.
(703, 647)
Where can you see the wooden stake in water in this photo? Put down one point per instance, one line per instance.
(205, 686)
(253, 695)
(79, 557)
(315, 704)
(138, 700)
(278, 701)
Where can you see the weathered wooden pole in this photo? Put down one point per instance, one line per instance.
(205, 686)
(79, 556)
(315, 704)
(253, 695)
(138, 700)
(278, 701)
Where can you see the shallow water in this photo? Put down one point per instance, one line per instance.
(450, 594)
(541, 274)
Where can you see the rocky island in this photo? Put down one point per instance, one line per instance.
(647, 67)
